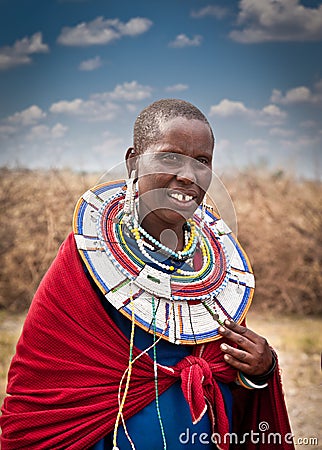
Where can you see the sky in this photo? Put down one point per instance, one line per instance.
(74, 74)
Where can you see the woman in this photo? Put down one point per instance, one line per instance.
(127, 342)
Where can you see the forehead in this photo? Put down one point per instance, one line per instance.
(185, 134)
(193, 128)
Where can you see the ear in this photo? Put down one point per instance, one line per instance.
(131, 160)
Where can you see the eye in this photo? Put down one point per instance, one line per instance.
(203, 161)
(170, 157)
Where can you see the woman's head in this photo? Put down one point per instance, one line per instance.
(172, 157)
(148, 124)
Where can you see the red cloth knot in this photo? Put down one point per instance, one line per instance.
(197, 384)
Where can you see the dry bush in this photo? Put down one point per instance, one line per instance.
(279, 222)
(280, 225)
(36, 211)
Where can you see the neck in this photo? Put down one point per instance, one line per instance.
(171, 235)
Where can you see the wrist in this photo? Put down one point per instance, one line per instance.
(263, 378)
(245, 382)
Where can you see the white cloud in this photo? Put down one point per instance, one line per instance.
(318, 85)
(281, 132)
(277, 20)
(91, 64)
(130, 91)
(58, 131)
(102, 31)
(268, 115)
(300, 94)
(223, 143)
(68, 107)
(131, 108)
(308, 124)
(210, 11)
(39, 132)
(29, 116)
(103, 106)
(19, 53)
(6, 131)
(301, 143)
(256, 142)
(135, 26)
(177, 87)
(273, 111)
(227, 108)
(91, 110)
(108, 146)
(182, 40)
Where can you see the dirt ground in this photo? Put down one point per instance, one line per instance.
(298, 342)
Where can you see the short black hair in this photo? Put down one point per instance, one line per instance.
(147, 126)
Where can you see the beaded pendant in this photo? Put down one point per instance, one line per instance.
(188, 302)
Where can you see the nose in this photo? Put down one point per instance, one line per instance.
(187, 173)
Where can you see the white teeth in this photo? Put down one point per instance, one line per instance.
(182, 197)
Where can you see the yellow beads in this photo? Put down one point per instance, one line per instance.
(136, 233)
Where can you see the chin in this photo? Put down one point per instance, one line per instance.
(174, 217)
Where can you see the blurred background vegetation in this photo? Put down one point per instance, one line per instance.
(279, 225)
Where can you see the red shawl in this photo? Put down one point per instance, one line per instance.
(64, 378)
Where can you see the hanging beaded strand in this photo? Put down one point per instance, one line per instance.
(199, 238)
(125, 373)
(188, 250)
(128, 378)
(155, 367)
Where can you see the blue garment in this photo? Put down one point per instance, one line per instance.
(144, 427)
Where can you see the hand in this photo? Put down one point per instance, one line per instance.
(253, 355)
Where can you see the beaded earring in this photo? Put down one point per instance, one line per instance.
(203, 211)
(130, 195)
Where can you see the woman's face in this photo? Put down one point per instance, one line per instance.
(174, 173)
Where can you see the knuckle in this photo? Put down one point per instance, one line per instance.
(261, 351)
(264, 341)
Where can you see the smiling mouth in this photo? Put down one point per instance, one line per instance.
(184, 198)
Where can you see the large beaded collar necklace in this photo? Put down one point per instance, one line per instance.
(135, 271)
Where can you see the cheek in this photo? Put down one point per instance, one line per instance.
(151, 182)
(207, 180)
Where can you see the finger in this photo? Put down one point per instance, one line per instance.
(240, 329)
(237, 364)
(240, 339)
(237, 354)
(255, 363)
